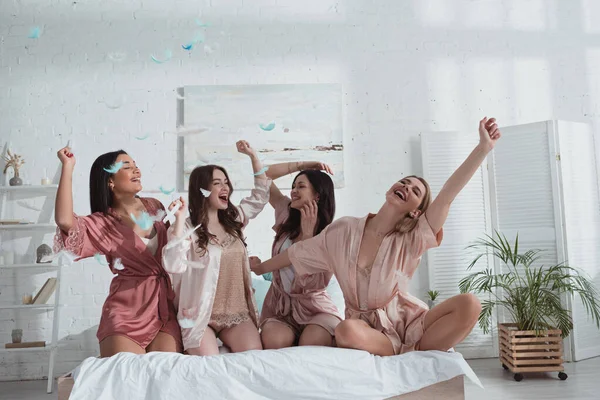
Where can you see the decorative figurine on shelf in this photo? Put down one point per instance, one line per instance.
(43, 253)
(15, 162)
(17, 335)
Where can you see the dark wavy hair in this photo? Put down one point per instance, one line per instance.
(101, 197)
(202, 178)
(323, 186)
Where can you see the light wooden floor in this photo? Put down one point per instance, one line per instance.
(583, 383)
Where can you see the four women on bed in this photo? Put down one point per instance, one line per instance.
(373, 258)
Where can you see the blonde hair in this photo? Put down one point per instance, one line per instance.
(408, 223)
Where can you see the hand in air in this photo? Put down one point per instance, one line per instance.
(244, 148)
(181, 211)
(320, 166)
(254, 263)
(308, 220)
(66, 157)
(489, 133)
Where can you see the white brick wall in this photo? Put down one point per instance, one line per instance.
(405, 66)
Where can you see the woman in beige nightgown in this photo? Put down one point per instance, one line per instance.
(374, 257)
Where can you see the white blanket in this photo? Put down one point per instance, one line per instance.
(292, 373)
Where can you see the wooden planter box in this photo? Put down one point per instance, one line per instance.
(524, 351)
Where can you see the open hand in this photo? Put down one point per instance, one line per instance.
(308, 221)
(319, 166)
(489, 133)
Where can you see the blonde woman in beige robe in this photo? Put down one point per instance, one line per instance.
(374, 257)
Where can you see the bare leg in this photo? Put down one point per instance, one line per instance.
(357, 334)
(315, 335)
(276, 335)
(208, 345)
(114, 344)
(163, 342)
(450, 322)
(241, 337)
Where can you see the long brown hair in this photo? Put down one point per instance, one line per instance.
(202, 178)
(408, 223)
(101, 197)
(323, 186)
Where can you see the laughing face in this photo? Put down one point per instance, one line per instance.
(406, 195)
(302, 192)
(128, 179)
(220, 190)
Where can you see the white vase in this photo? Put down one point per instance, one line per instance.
(431, 303)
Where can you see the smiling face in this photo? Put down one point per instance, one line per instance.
(302, 192)
(407, 195)
(220, 190)
(128, 179)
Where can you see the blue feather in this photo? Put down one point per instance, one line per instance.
(268, 276)
(187, 46)
(146, 136)
(35, 33)
(167, 57)
(145, 221)
(114, 168)
(166, 191)
(268, 127)
(98, 258)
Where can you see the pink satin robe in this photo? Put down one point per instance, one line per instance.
(140, 299)
(195, 285)
(389, 308)
(308, 296)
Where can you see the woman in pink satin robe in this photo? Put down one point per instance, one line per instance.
(374, 257)
(138, 315)
(298, 309)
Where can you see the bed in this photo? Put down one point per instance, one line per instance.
(292, 373)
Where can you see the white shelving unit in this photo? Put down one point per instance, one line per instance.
(6, 193)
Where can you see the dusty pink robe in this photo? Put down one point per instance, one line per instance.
(140, 300)
(308, 301)
(388, 308)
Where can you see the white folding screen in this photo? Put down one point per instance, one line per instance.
(468, 220)
(581, 207)
(520, 170)
(541, 183)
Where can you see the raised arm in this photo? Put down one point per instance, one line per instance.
(252, 205)
(63, 210)
(436, 214)
(276, 171)
(257, 167)
(175, 252)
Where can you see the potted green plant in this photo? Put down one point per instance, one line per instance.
(432, 295)
(531, 294)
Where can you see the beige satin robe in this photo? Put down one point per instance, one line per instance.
(388, 308)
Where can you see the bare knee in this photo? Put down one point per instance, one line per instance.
(469, 308)
(348, 334)
(273, 339)
(314, 335)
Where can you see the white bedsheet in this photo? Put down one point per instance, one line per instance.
(293, 373)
